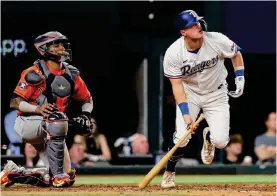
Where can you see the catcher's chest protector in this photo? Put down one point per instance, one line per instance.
(59, 89)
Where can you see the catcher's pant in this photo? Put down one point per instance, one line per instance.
(32, 130)
(215, 107)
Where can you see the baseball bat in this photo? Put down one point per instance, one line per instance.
(157, 168)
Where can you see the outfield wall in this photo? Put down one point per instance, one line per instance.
(201, 169)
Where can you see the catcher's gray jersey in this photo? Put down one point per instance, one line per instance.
(204, 71)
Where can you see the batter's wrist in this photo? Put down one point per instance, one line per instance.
(239, 71)
(184, 107)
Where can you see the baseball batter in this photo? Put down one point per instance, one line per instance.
(42, 97)
(194, 64)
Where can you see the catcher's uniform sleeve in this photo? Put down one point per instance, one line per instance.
(226, 46)
(171, 65)
(23, 89)
(81, 92)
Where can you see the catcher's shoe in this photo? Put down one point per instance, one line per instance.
(168, 180)
(61, 180)
(9, 168)
(208, 149)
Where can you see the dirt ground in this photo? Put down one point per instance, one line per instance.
(188, 189)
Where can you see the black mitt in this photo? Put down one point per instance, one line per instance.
(83, 124)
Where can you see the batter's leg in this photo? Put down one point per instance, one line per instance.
(218, 118)
(217, 115)
(180, 130)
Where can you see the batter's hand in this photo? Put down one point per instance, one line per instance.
(46, 109)
(189, 122)
(239, 87)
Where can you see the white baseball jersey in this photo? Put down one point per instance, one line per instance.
(204, 71)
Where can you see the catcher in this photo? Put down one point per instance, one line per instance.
(42, 97)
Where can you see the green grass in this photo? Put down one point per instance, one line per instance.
(182, 179)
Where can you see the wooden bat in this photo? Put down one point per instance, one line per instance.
(157, 168)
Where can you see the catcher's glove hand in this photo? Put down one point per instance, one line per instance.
(83, 124)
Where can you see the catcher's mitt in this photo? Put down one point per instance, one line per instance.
(83, 124)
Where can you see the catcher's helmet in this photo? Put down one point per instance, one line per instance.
(53, 37)
(188, 18)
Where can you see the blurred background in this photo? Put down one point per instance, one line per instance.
(118, 48)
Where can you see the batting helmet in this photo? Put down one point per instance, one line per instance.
(53, 37)
(188, 18)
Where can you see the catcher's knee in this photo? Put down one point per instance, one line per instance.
(57, 124)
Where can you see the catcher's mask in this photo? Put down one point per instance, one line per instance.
(43, 42)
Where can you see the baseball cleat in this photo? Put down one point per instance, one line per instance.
(168, 180)
(208, 149)
(61, 180)
(10, 167)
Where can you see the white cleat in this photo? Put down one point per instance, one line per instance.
(208, 149)
(168, 180)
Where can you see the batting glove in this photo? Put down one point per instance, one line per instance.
(239, 87)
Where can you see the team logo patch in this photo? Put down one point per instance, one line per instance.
(61, 87)
(22, 85)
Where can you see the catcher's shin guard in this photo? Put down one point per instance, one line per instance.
(57, 127)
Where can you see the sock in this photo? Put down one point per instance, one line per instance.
(171, 164)
(170, 167)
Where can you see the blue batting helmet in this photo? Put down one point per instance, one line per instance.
(186, 19)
